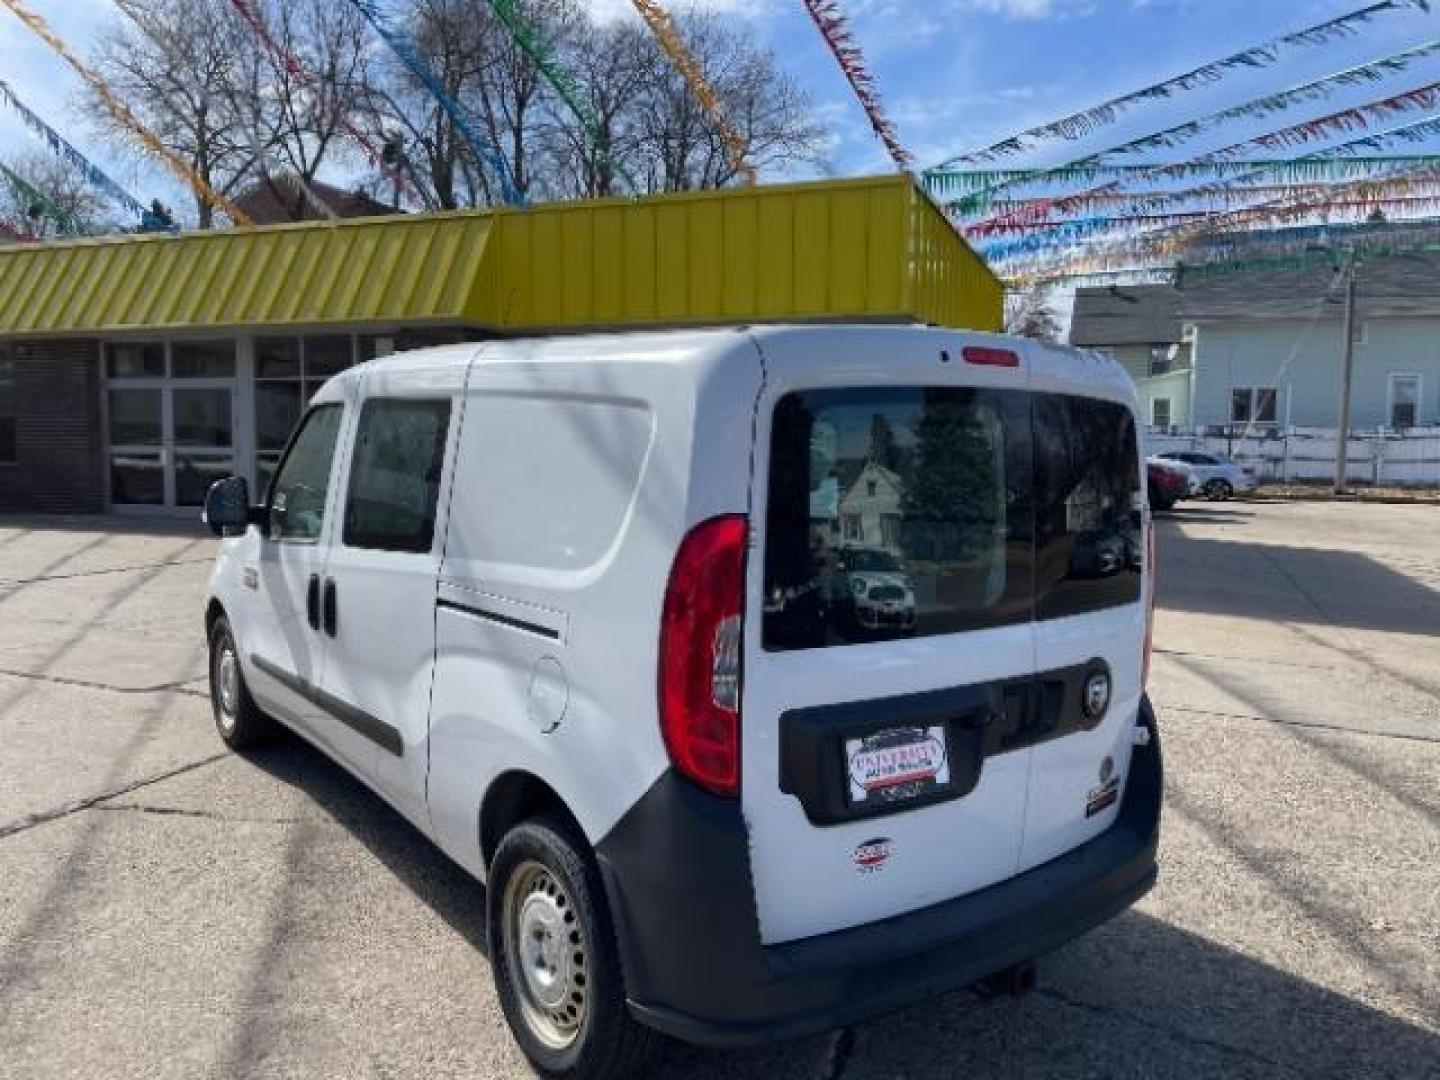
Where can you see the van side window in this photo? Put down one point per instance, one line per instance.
(395, 474)
(302, 485)
(1089, 550)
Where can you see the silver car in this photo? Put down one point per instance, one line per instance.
(1217, 478)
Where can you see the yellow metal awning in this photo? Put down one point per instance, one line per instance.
(874, 248)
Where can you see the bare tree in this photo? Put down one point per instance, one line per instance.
(174, 62)
(683, 147)
(58, 183)
(1029, 314)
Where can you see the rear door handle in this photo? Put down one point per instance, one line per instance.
(312, 602)
(330, 614)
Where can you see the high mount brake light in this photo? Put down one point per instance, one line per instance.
(986, 356)
(700, 648)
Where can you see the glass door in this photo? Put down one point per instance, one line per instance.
(202, 440)
(172, 423)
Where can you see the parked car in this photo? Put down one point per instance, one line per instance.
(1217, 478)
(555, 601)
(871, 592)
(1167, 484)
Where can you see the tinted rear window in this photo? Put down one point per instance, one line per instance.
(896, 512)
(912, 511)
(1087, 523)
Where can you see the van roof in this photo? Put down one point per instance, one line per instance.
(1056, 366)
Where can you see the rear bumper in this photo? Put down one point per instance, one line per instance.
(677, 875)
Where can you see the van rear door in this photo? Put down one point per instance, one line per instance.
(890, 641)
(1090, 611)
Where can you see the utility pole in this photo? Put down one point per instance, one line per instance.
(1347, 364)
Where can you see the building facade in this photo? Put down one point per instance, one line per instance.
(135, 371)
(1268, 345)
(1141, 327)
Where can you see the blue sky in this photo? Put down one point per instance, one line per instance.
(955, 74)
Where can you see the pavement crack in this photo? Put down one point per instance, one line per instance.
(44, 817)
(9, 583)
(837, 1054)
(207, 815)
(1178, 1034)
(1316, 724)
(181, 686)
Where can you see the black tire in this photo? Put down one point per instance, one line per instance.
(606, 1043)
(239, 721)
(1218, 490)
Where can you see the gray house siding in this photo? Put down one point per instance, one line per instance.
(1300, 358)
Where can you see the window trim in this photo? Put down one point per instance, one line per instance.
(1169, 412)
(1254, 393)
(1390, 379)
(436, 533)
(284, 460)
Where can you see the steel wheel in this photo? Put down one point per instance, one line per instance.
(225, 684)
(546, 947)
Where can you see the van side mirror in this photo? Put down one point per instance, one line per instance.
(227, 506)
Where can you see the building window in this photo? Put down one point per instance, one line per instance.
(1162, 359)
(8, 449)
(870, 488)
(1160, 412)
(288, 370)
(1253, 405)
(1404, 401)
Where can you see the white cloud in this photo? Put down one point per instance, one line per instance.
(1028, 9)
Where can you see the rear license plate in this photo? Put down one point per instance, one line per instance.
(897, 764)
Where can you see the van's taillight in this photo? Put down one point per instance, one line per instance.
(1151, 568)
(990, 357)
(700, 648)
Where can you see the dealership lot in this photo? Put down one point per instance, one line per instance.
(169, 910)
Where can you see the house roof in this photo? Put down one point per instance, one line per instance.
(870, 249)
(283, 200)
(1385, 285)
(1126, 315)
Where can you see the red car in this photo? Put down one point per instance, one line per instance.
(1167, 486)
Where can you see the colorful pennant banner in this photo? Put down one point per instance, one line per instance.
(93, 174)
(1080, 124)
(528, 39)
(1171, 240)
(413, 57)
(970, 192)
(123, 116)
(1322, 127)
(835, 29)
(34, 199)
(737, 148)
(1233, 188)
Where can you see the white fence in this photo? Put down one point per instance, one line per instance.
(1391, 458)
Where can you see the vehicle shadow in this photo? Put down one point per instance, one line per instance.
(186, 527)
(1137, 997)
(445, 887)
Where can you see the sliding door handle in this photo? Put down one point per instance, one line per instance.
(312, 602)
(330, 606)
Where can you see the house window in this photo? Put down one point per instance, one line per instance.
(1160, 412)
(1404, 401)
(7, 406)
(870, 488)
(1253, 405)
(850, 528)
(1161, 359)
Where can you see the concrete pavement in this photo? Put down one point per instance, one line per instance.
(169, 910)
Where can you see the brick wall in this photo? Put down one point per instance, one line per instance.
(58, 437)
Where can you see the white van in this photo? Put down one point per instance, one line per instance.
(570, 606)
